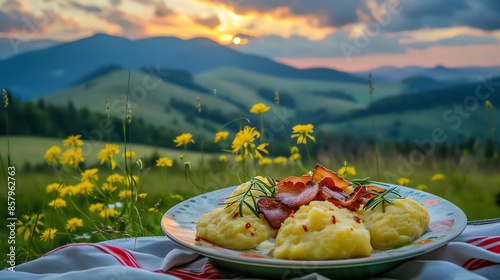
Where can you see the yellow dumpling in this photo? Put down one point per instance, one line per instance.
(225, 227)
(228, 229)
(322, 231)
(402, 222)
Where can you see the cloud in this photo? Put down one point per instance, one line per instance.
(19, 20)
(115, 3)
(210, 22)
(161, 9)
(334, 45)
(324, 13)
(86, 8)
(415, 15)
(10, 22)
(130, 26)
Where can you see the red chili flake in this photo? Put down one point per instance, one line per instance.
(236, 215)
(291, 214)
(252, 234)
(333, 219)
(357, 219)
(248, 225)
(197, 238)
(304, 227)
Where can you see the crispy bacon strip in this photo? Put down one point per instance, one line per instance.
(297, 195)
(274, 212)
(323, 184)
(294, 180)
(320, 173)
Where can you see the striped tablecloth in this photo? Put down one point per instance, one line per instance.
(475, 254)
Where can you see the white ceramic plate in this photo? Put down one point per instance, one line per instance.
(179, 224)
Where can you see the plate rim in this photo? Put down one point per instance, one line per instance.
(344, 263)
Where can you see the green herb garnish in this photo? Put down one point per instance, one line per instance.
(265, 189)
(382, 198)
(365, 182)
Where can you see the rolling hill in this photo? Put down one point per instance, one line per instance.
(225, 94)
(459, 111)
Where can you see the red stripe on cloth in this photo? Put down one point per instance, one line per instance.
(124, 255)
(208, 271)
(489, 243)
(476, 240)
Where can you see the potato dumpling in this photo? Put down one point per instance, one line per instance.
(322, 231)
(228, 229)
(402, 222)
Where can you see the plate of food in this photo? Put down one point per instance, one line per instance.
(317, 222)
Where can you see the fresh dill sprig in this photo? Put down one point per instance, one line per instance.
(365, 182)
(265, 189)
(387, 196)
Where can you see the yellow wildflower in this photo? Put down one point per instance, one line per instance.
(108, 153)
(164, 162)
(73, 141)
(115, 178)
(294, 150)
(488, 104)
(265, 161)
(437, 176)
(124, 194)
(108, 212)
(108, 187)
(72, 157)
(221, 136)
(73, 223)
(69, 190)
(302, 132)
(421, 187)
(52, 154)
(244, 141)
(48, 234)
(96, 207)
(142, 195)
(129, 180)
(259, 108)
(280, 160)
(52, 187)
(183, 139)
(222, 158)
(86, 188)
(57, 203)
(89, 174)
(403, 181)
(295, 156)
(129, 154)
(26, 225)
(347, 170)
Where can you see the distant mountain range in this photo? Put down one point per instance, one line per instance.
(12, 46)
(438, 73)
(33, 74)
